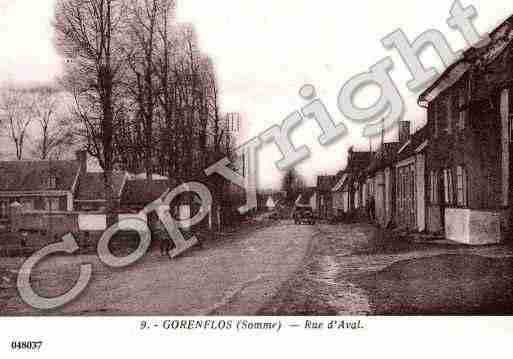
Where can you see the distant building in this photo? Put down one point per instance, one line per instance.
(270, 204)
(38, 185)
(350, 192)
(325, 196)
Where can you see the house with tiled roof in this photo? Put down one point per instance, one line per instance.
(387, 184)
(44, 188)
(38, 185)
(470, 112)
(349, 190)
(453, 176)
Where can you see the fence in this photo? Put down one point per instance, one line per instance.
(56, 222)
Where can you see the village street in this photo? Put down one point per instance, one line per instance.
(236, 274)
(285, 269)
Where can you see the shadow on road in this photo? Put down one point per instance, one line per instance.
(444, 284)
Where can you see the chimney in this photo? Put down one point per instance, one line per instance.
(81, 157)
(404, 131)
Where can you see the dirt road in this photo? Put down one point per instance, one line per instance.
(237, 276)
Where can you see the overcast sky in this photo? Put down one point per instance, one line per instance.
(265, 50)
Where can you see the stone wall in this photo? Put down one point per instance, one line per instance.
(55, 223)
(473, 227)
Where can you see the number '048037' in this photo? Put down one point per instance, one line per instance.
(26, 345)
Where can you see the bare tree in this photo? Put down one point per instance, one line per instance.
(89, 34)
(292, 184)
(55, 133)
(145, 18)
(17, 106)
(167, 95)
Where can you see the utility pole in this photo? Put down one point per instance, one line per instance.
(383, 137)
(49, 199)
(382, 132)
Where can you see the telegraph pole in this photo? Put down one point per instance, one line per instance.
(49, 200)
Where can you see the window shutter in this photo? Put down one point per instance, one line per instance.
(63, 204)
(450, 103)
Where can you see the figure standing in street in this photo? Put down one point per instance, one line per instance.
(164, 245)
(371, 206)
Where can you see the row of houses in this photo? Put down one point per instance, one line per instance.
(453, 176)
(43, 195)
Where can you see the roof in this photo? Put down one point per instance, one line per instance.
(448, 78)
(139, 192)
(417, 143)
(21, 176)
(91, 186)
(342, 176)
(384, 157)
(476, 57)
(348, 183)
(358, 161)
(326, 183)
(359, 157)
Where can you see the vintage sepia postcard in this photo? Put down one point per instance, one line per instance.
(336, 171)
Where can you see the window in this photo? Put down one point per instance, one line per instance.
(433, 183)
(510, 113)
(448, 186)
(511, 127)
(184, 213)
(434, 116)
(461, 186)
(441, 117)
(404, 184)
(52, 204)
(462, 103)
(449, 104)
(356, 196)
(399, 185)
(52, 182)
(4, 209)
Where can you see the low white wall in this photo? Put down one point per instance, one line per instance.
(92, 222)
(457, 225)
(472, 227)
